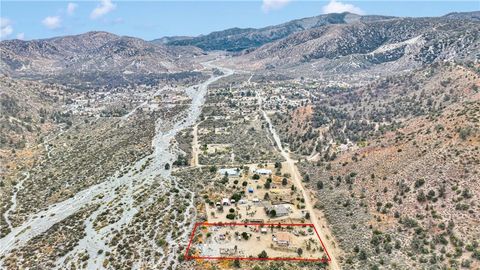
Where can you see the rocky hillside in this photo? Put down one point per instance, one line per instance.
(473, 15)
(394, 166)
(27, 110)
(408, 200)
(358, 114)
(94, 58)
(388, 44)
(237, 39)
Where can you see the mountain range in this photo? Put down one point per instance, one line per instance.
(94, 58)
(331, 44)
(376, 44)
(110, 145)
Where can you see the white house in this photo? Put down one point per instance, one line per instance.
(280, 209)
(263, 171)
(235, 172)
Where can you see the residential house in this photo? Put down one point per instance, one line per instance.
(234, 172)
(263, 171)
(282, 239)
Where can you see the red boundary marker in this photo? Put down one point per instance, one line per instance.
(187, 257)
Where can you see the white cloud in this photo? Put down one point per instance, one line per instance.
(5, 27)
(71, 7)
(105, 7)
(52, 22)
(339, 7)
(21, 36)
(269, 5)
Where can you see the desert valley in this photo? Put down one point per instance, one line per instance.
(339, 141)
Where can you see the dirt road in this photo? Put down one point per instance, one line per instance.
(297, 179)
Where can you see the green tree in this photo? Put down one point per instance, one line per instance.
(236, 197)
(362, 255)
(266, 185)
(320, 185)
(421, 196)
(263, 255)
(464, 133)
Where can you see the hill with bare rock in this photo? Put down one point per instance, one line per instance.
(238, 39)
(96, 59)
(374, 46)
(394, 165)
(408, 199)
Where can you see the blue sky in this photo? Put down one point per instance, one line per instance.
(154, 19)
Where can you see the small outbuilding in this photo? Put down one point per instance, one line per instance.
(225, 201)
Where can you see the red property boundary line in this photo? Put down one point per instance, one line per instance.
(187, 257)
